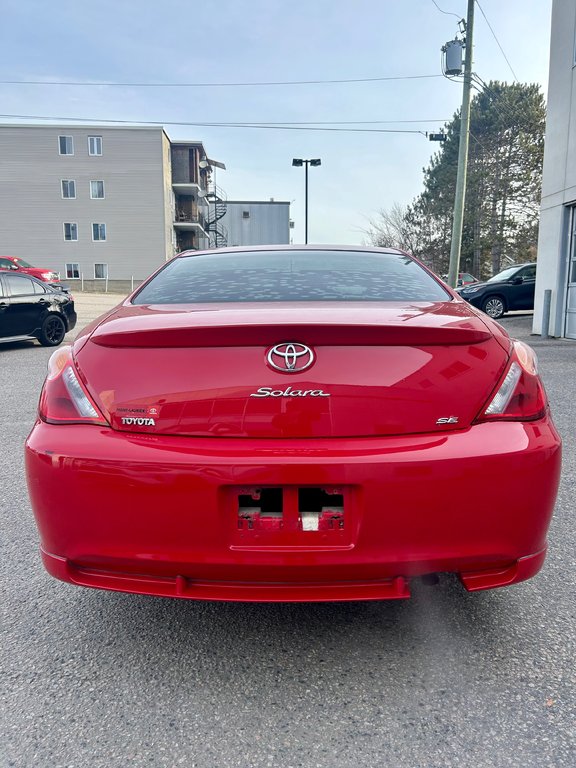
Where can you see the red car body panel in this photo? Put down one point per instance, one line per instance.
(341, 482)
(376, 381)
(158, 515)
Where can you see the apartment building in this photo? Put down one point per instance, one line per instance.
(101, 205)
(557, 236)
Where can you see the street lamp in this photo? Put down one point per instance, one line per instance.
(299, 162)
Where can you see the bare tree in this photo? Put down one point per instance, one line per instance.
(393, 229)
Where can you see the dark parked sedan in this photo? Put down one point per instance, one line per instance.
(513, 288)
(31, 309)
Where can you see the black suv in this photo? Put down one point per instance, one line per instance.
(513, 288)
(31, 309)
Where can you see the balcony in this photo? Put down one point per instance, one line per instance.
(187, 240)
(193, 221)
(188, 188)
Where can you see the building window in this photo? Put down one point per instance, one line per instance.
(94, 145)
(66, 145)
(100, 271)
(98, 232)
(73, 271)
(245, 214)
(70, 231)
(68, 188)
(97, 190)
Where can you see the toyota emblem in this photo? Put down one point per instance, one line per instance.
(290, 357)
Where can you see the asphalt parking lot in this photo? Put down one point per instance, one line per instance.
(105, 680)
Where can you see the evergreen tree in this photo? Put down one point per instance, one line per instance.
(506, 151)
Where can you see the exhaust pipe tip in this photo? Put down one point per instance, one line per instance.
(430, 579)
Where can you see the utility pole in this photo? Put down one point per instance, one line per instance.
(459, 197)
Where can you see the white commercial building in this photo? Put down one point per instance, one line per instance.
(557, 239)
(257, 222)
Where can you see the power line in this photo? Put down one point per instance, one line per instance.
(216, 85)
(499, 104)
(495, 38)
(502, 109)
(261, 126)
(447, 13)
(340, 122)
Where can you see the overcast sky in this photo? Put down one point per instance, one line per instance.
(155, 41)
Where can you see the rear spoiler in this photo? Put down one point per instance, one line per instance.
(267, 335)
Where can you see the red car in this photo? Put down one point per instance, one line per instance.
(464, 278)
(292, 424)
(17, 264)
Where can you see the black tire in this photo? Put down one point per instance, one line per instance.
(52, 331)
(494, 307)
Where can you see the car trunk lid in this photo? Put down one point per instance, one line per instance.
(384, 369)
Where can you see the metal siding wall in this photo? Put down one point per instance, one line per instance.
(269, 223)
(169, 236)
(32, 211)
(559, 173)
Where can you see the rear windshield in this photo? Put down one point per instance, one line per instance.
(254, 276)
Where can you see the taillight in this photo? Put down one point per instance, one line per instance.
(64, 400)
(520, 395)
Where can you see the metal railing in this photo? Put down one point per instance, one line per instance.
(185, 217)
(218, 233)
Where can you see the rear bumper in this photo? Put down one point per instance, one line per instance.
(155, 515)
(71, 318)
(181, 586)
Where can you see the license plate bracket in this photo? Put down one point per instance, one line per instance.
(291, 515)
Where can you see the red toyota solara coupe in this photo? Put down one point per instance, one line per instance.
(292, 424)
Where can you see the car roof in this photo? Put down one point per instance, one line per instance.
(316, 247)
(26, 276)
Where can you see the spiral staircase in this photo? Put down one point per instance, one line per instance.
(217, 232)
